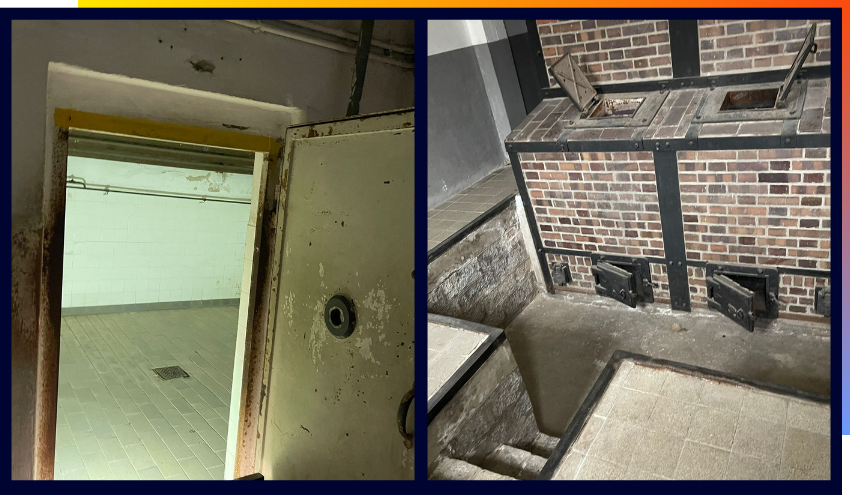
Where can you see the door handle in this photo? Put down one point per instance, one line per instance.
(401, 418)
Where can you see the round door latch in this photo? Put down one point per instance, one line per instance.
(339, 316)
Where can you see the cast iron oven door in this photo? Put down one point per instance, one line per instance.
(613, 281)
(761, 101)
(743, 293)
(627, 280)
(608, 110)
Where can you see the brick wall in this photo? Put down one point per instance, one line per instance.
(764, 207)
(603, 202)
(485, 278)
(742, 46)
(609, 51)
(616, 51)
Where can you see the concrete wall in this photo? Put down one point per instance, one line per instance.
(474, 100)
(132, 249)
(485, 278)
(257, 67)
(492, 407)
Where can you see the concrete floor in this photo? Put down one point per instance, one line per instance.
(562, 341)
(117, 420)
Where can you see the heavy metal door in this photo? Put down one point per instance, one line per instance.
(345, 254)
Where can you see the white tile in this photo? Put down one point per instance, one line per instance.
(194, 469)
(139, 457)
(123, 470)
(178, 447)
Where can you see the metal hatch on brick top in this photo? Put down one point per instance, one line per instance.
(609, 110)
(761, 101)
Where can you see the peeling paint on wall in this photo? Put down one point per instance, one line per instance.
(365, 347)
(202, 65)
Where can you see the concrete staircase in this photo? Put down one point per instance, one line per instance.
(502, 463)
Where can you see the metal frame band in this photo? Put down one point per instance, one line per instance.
(760, 77)
(667, 183)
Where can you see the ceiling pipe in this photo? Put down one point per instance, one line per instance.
(361, 60)
(350, 36)
(259, 27)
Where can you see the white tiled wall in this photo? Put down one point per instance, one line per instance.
(128, 249)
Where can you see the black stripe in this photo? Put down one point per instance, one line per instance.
(525, 60)
(537, 53)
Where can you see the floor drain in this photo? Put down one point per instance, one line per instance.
(170, 372)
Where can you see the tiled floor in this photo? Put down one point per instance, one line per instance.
(465, 207)
(118, 420)
(657, 424)
(448, 348)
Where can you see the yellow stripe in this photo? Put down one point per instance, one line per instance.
(66, 118)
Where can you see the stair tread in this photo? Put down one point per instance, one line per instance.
(544, 444)
(456, 469)
(514, 462)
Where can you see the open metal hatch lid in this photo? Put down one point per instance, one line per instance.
(809, 46)
(570, 77)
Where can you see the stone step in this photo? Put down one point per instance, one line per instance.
(514, 462)
(455, 469)
(543, 445)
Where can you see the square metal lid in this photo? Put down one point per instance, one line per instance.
(570, 77)
(808, 46)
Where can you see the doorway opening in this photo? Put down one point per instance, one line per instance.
(158, 265)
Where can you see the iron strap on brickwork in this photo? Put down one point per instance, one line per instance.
(761, 77)
(684, 53)
(672, 230)
(688, 143)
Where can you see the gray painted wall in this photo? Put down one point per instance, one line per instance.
(474, 100)
(463, 142)
(273, 69)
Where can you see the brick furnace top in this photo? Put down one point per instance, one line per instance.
(553, 122)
